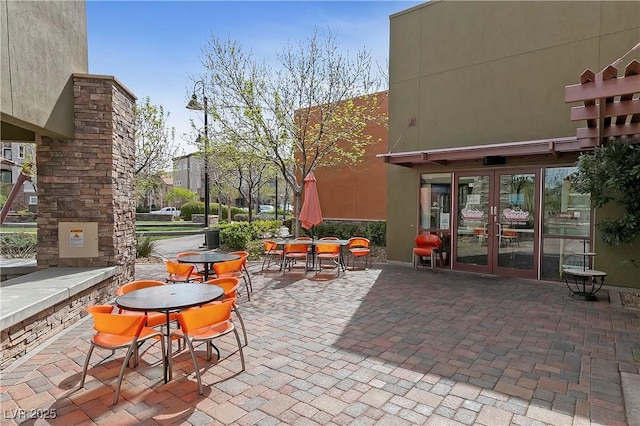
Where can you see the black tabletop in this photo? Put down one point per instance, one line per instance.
(208, 257)
(170, 297)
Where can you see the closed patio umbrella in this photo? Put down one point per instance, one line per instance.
(310, 214)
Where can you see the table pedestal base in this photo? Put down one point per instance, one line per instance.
(585, 284)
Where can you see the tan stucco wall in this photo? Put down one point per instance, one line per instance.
(475, 73)
(497, 68)
(42, 42)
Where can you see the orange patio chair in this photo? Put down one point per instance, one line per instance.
(179, 272)
(116, 331)
(203, 325)
(271, 251)
(154, 319)
(230, 287)
(244, 255)
(328, 252)
(198, 270)
(293, 252)
(359, 247)
(481, 234)
(232, 268)
(509, 237)
(428, 246)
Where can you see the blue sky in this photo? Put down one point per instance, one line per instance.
(155, 48)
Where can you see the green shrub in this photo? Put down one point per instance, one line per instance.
(18, 245)
(197, 207)
(236, 235)
(241, 217)
(376, 232)
(255, 249)
(266, 228)
(242, 235)
(187, 209)
(145, 246)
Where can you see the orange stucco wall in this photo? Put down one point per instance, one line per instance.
(357, 192)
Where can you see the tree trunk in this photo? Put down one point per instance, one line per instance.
(296, 212)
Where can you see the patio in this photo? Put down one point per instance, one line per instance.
(388, 345)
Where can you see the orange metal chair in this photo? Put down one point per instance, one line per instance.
(427, 246)
(203, 325)
(329, 252)
(116, 331)
(230, 287)
(232, 268)
(271, 251)
(244, 255)
(293, 252)
(179, 272)
(359, 247)
(198, 270)
(481, 234)
(509, 237)
(154, 319)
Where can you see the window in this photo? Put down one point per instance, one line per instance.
(566, 212)
(567, 223)
(7, 177)
(33, 200)
(435, 201)
(6, 153)
(21, 151)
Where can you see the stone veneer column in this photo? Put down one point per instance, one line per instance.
(91, 178)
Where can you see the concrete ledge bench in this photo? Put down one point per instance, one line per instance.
(13, 268)
(38, 305)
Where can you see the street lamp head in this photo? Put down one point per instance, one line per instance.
(194, 104)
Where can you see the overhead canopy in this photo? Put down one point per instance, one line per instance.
(554, 147)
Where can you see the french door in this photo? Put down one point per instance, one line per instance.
(496, 231)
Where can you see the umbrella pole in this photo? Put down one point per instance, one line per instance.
(313, 251)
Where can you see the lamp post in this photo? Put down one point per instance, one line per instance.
(194, 104)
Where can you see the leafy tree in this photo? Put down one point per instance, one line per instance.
(178, 196)
(308, 113)
(155, 146)
(611, 174)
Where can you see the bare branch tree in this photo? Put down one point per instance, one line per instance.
(155, 147)
(308, 113)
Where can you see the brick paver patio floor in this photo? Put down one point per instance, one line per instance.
(390, 345)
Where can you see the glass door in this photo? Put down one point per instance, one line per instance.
(516, 223)
(496, 227)
(473, 223)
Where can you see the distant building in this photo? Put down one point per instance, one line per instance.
(188, 173)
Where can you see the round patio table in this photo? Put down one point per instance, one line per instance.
(208, 259)
(169, 298)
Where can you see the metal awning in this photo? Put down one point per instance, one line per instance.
(554, 147)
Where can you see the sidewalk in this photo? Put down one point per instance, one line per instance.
(390, 345)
